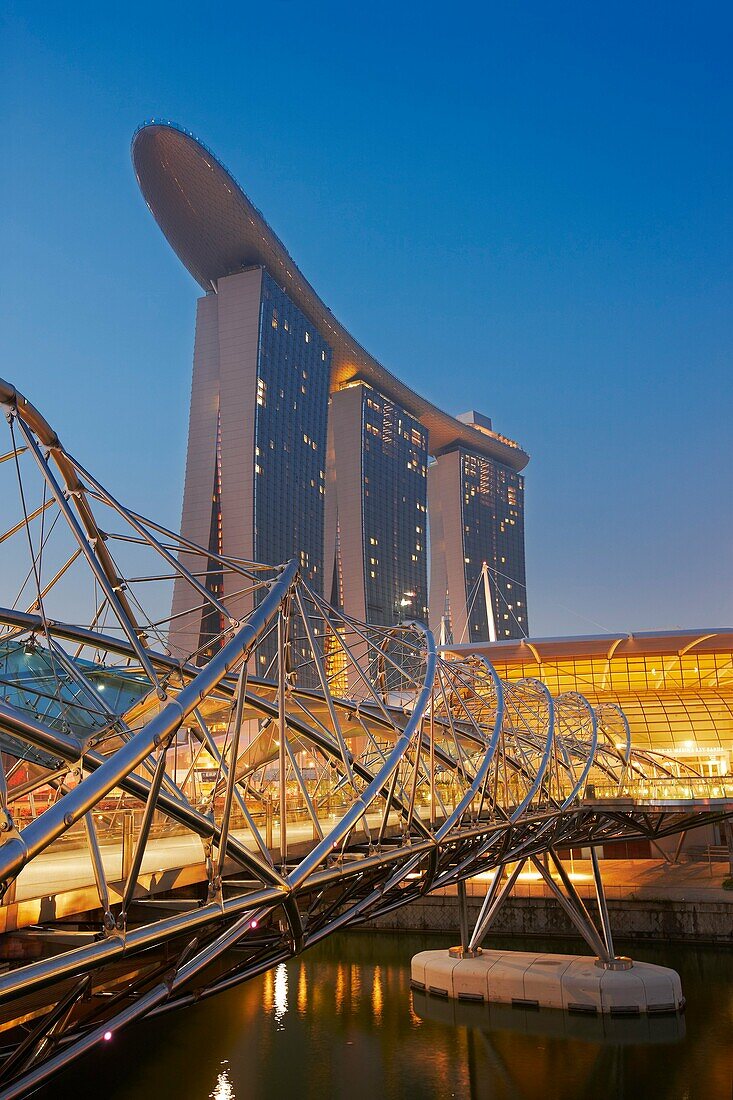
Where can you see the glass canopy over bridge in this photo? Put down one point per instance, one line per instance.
(204, 819)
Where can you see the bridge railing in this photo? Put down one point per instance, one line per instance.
(672, 789)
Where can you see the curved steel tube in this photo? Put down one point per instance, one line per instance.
(362, 803)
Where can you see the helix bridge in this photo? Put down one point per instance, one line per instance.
(171, 825)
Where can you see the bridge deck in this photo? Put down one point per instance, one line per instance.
(60, 882)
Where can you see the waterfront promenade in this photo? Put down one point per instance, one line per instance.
(648, 899)
(628, 879)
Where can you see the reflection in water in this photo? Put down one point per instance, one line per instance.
(355, 978)
(302, 989)
(552, 1023)
(224, 1089)
(268, 984)
(340, 986)
(377, 994)
(280, 996)
(358, 1033)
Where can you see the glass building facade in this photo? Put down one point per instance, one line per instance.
(394, 470)
(212, 621)
(293, 371)
(677, 702)
(493, 532)
(270, 449)
(376, 507)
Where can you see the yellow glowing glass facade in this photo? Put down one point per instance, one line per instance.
(336, 666)
(656, 673)
(676, 690)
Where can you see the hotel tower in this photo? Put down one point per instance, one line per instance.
(301, 444)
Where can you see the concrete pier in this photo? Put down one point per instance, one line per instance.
(573, 983)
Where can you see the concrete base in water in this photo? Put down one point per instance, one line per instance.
(527, 979)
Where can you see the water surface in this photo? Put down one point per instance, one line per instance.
(340, 1022)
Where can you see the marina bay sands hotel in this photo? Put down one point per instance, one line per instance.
(301, 443)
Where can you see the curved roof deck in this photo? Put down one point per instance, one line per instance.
(696, 660)
(216, 231)
(670, 643)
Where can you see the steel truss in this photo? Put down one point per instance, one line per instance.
(300, 772)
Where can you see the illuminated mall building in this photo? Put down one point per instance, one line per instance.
(675, 689)
(300, 443)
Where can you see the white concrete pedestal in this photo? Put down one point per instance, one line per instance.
(528, 979)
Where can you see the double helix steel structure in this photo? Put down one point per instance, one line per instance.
(171, 826)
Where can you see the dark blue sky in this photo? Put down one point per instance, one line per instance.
(525, 209)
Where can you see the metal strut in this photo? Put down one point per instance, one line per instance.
(574, 906)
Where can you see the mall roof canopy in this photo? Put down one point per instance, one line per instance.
(648, 643)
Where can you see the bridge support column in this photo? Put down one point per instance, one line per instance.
(600, 942)
(604, 984)
(575, 908)
(602, 907)
(466, 950)
(496, 895)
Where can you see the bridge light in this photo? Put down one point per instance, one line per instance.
(107, 1036)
